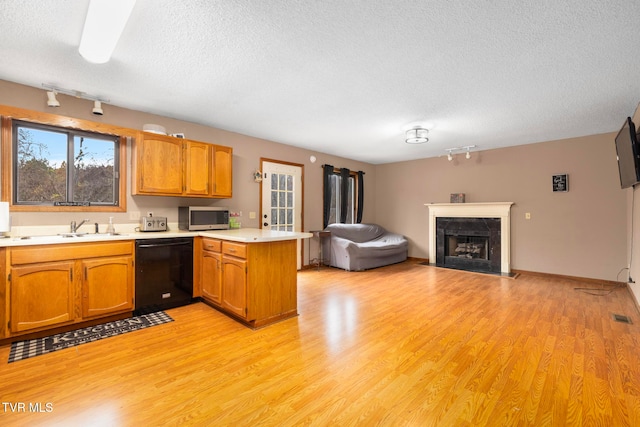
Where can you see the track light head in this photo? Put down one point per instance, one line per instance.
(97, 108)
(51, 99)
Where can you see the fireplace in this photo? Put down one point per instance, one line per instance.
(470, 236)
(468, 244)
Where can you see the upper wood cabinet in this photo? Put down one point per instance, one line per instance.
(221, 171)
(197, 170)
(158, 165)
(168, 166)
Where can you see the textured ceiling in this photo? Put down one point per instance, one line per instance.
(348, 77)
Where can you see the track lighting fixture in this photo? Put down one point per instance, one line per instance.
(51, 99)
(52, 91)
(450, 151)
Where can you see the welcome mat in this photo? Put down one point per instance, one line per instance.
(21, 350)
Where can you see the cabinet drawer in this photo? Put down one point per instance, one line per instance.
(211, 245)
(234, 249)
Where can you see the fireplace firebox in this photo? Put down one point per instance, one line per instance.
(468, 243)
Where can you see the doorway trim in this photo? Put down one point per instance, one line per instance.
(301, 166)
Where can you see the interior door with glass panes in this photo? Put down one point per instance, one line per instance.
(282, 199)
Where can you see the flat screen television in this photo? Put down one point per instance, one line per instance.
(628, 154)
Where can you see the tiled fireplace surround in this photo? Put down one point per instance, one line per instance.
(499, 210)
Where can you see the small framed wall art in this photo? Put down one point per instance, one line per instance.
(561, 182)
(457, 198)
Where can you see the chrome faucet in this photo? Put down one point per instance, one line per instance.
(74, 227)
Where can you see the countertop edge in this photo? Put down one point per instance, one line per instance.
(248, 235)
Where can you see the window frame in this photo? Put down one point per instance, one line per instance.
(9, 114)
(71, 135)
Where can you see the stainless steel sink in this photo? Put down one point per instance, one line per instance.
(68, 236)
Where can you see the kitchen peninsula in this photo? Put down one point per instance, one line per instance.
(248, 274)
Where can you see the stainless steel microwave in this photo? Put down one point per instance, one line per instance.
(196, 218)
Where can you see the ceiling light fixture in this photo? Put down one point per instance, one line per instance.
(417, 135)
(103, 26)
(51, 99)
(449, 150)
(52, 91)
(454, 149)
(97, 108)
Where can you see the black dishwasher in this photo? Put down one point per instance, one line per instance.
(164, 274)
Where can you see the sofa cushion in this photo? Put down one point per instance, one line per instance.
(358, 233)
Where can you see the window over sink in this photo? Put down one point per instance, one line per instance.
(56, 163)
(64, 167)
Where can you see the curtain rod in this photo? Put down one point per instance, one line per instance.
(334, 167)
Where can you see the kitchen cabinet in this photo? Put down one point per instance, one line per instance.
(50, 285)
(158, 165)
(107, 286)
(42, 295)
(211, 271)
(255, 283)
(222, 171)
(197, 168)
(169, 166)
(234, 285)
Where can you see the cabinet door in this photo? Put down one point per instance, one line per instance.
(197, 168)
(107, 286)
(211, 276)
(222, 167)
(234, 285)
(159, 164)
(41, 295)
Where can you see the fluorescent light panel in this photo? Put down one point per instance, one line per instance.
(103, 26)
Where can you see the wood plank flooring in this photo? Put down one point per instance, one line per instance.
(404, 345)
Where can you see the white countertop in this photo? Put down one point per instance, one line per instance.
(248, 235)
(245, 235)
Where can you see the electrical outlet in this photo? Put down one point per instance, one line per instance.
(134, 215)
(252, 215)
(527, 215)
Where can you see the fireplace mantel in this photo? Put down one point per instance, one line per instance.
(500, 210)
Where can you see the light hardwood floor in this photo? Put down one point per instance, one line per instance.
(405, 345)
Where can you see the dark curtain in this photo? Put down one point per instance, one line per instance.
(360, 196)
(326, 202)
(344, 194)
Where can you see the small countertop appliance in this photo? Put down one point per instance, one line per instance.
(153, 223)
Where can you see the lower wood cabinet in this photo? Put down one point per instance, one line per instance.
(234, 286)
(211, 273)
(255, 283)
(48, 286)
(42, 294)
(107, 286)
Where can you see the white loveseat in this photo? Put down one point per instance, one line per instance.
(356, 247)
